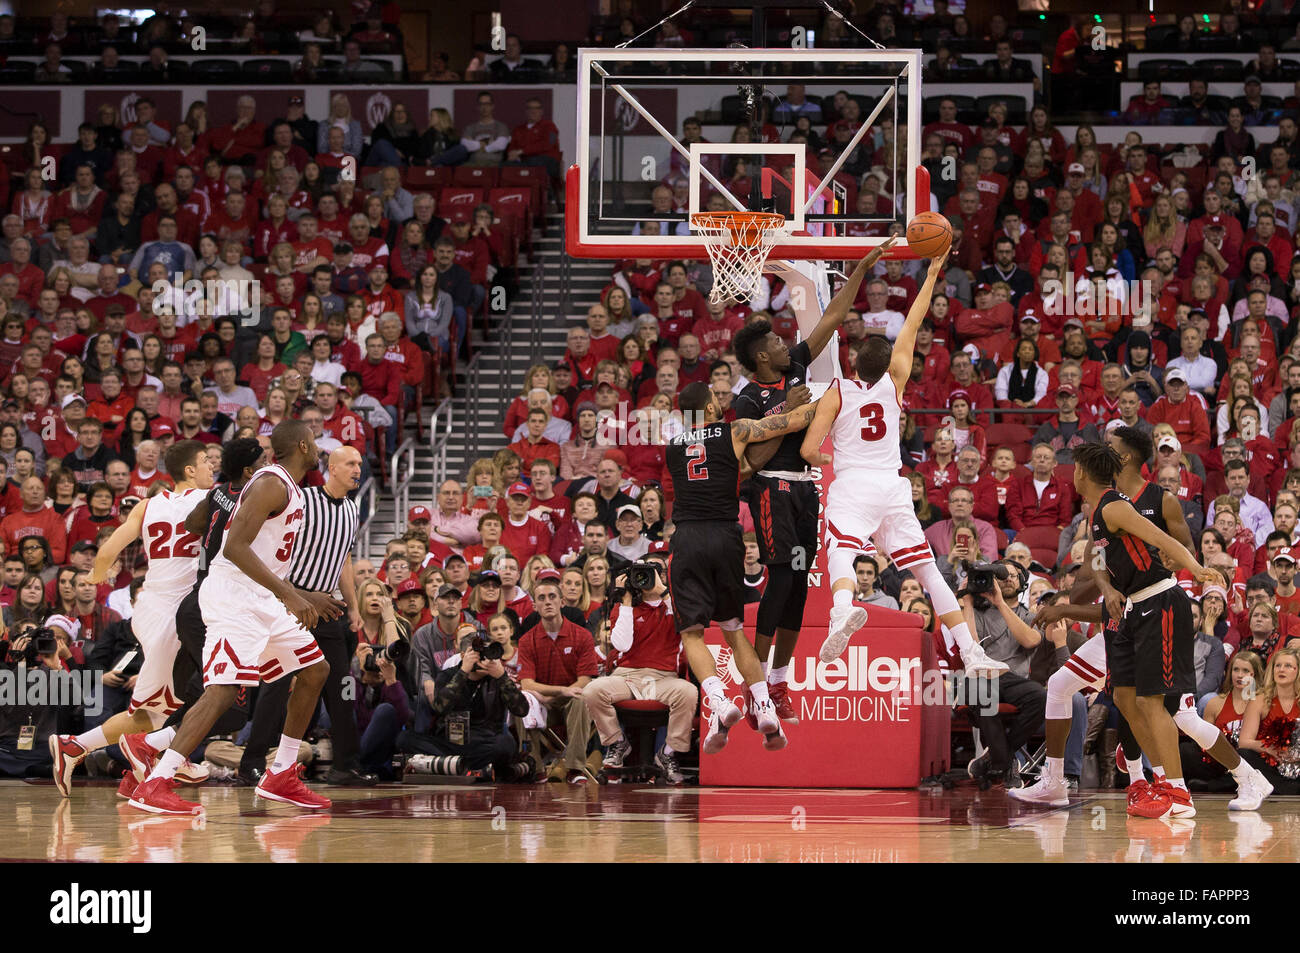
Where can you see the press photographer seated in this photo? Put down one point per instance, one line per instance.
(471, 704)
(991, 606)
(645, 649)
(25, 728)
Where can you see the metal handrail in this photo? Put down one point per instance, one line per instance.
(367, 497)
(404, 454)
(473, 394)
(438, 440)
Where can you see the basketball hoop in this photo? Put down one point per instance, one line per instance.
(738, 245)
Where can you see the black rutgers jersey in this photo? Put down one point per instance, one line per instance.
(705, 473)
(1150, 504)
(757, 400)
(1131, 562)
(221, 503)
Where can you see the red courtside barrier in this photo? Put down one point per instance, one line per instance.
(866, 720)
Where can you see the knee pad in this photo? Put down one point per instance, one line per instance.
(932, 581)
(1191, 724)
(1061, 689)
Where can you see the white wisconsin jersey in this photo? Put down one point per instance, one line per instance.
(172, 550)
(274, 542)
(865, 433)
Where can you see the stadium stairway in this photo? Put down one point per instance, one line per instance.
(554, 293)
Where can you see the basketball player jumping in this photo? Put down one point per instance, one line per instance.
(257, 627)
(1087, 667)
(1150, 654)
(783, 497)
(173, 564)
(867, 496)
(706, 573)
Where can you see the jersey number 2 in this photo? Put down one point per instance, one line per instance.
(695, 462)
(873, 422)
(186, 545)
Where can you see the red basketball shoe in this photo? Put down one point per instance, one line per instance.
(287, 786)
(1180, 799)
(127, 788)
(158, 796)
(142, 755)
(66, 754)
(780, 695)
(1149, 801)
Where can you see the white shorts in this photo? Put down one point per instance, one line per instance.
(1088, 663)
(862, 504)
(153, 620)
(251, 636)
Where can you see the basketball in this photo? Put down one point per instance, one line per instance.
(929, 234)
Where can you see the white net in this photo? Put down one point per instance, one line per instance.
(738, 245)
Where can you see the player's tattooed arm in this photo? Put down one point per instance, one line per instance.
(827, 409)
(842, 303)
(746, 432)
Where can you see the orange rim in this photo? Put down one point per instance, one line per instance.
(747, 228)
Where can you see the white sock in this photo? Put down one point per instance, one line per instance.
(286, 756)
(1177, 783)
(161, 738)
(167, 765)
(759, 691)
(779, 676)
(1241, 771)
(1134, 769)
(842, 597)
(668, 749)
(1056, 769)
(93, 739)
(1158, 772)
(961, 633)
(763, 666)
(717, 694)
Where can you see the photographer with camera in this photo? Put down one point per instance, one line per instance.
(25, 729)
(646, 649)
(990, 603)
(471, 704)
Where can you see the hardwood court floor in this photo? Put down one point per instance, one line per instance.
(636, 823)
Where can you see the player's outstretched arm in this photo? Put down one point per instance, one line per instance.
(745, 432)
(842, 303)
(900, 365)
(122, 537)
(1120, 515)
(827, 409)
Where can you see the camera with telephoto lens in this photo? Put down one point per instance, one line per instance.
(487, 649)
(40, 641)
(394, 651)
(980, 577)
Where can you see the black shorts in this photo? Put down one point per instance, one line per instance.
(191, 631)
(706, 572)
(1154, 647)
(785, 519)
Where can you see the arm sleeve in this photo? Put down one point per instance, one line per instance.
(621, 634)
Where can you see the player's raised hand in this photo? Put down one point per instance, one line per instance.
(939, 263)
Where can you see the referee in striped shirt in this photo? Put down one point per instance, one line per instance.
(322, 562)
